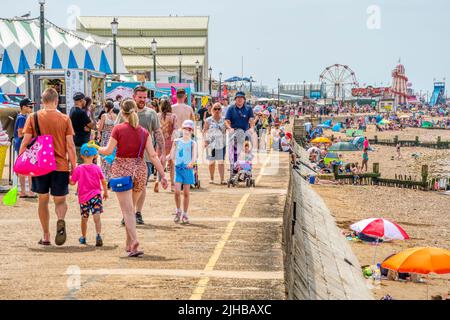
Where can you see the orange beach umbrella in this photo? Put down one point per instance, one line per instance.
(420, 260)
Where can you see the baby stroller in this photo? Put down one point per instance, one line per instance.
(240, 169)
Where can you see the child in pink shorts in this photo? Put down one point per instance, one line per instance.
(90, 181)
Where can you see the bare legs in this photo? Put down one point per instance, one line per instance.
(84, 225)
(44, 212)
(186, 190)
(126, 205)
(212, 170)
(44, 215)
(23, 189)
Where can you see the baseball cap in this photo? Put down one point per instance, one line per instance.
(240, 94)
(78, 96)
(188, 124)
(26, 102)
(88, 151)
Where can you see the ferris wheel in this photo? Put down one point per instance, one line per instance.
(338, 80)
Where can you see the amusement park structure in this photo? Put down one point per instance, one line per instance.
(438, 96)
(339, 80)
(399, 87)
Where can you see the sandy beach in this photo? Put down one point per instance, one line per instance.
(423, 215)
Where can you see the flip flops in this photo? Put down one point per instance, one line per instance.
(61, 235)
(44, 243)
(135, 254)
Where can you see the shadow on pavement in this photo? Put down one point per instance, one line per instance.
(72, 249)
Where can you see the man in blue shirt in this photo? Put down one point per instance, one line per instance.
(239, 115)
(26, 107)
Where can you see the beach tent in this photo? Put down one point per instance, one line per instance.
(343, 146)
(427, 124)
(327, 123)
(330, 157)
(337, 127)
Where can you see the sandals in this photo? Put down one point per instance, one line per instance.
(44, 243)
(135, 254)
(61, 235)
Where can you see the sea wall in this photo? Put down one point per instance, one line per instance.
(319, 263)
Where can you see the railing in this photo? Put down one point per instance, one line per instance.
(439, 144)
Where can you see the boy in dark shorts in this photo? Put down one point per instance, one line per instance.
(90, 181)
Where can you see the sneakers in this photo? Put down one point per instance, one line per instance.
(82, 240)
(99, 241)
(184, 218)
(139, 219)
(177, 216)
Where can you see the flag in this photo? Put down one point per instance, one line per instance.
(174, 95)
(225, 91)
(204, 101)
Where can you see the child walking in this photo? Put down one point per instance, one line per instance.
(90, 181)
(184, 152)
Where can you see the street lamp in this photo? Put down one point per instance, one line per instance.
(180, 59)
(210, 80)
(278, 92)
(197, 68)
(251, 85)
(42, 31)
(220, 85)
(114, 30)
(304, 89)
(154, 49)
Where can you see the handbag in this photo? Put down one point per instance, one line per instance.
(122, 184)
(39, 157)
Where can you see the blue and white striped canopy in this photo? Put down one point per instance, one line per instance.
(20, 45)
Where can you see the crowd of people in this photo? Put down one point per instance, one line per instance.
(130, 142)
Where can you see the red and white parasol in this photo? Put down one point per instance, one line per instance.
(381, 229)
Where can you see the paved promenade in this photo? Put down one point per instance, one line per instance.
(231, 250)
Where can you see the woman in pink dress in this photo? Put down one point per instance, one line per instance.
(169, 128)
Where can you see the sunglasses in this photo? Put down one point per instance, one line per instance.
(217, 109)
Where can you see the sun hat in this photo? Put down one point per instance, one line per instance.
(257, 109)
(88, 151)
(188, 124)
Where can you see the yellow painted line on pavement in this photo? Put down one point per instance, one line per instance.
(203, 282)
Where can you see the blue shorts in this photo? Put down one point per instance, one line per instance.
(184, 175)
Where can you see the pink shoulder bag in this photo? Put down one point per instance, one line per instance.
(39, 157)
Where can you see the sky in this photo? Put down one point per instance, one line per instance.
(295, 40)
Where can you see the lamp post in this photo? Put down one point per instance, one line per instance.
(210, 80)
(180, 59)
(197, 68)
(304, 89)
(220, 85)
(251, 86)
(154, 49)
(42, 32)
(278, 92)
(114, 30)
